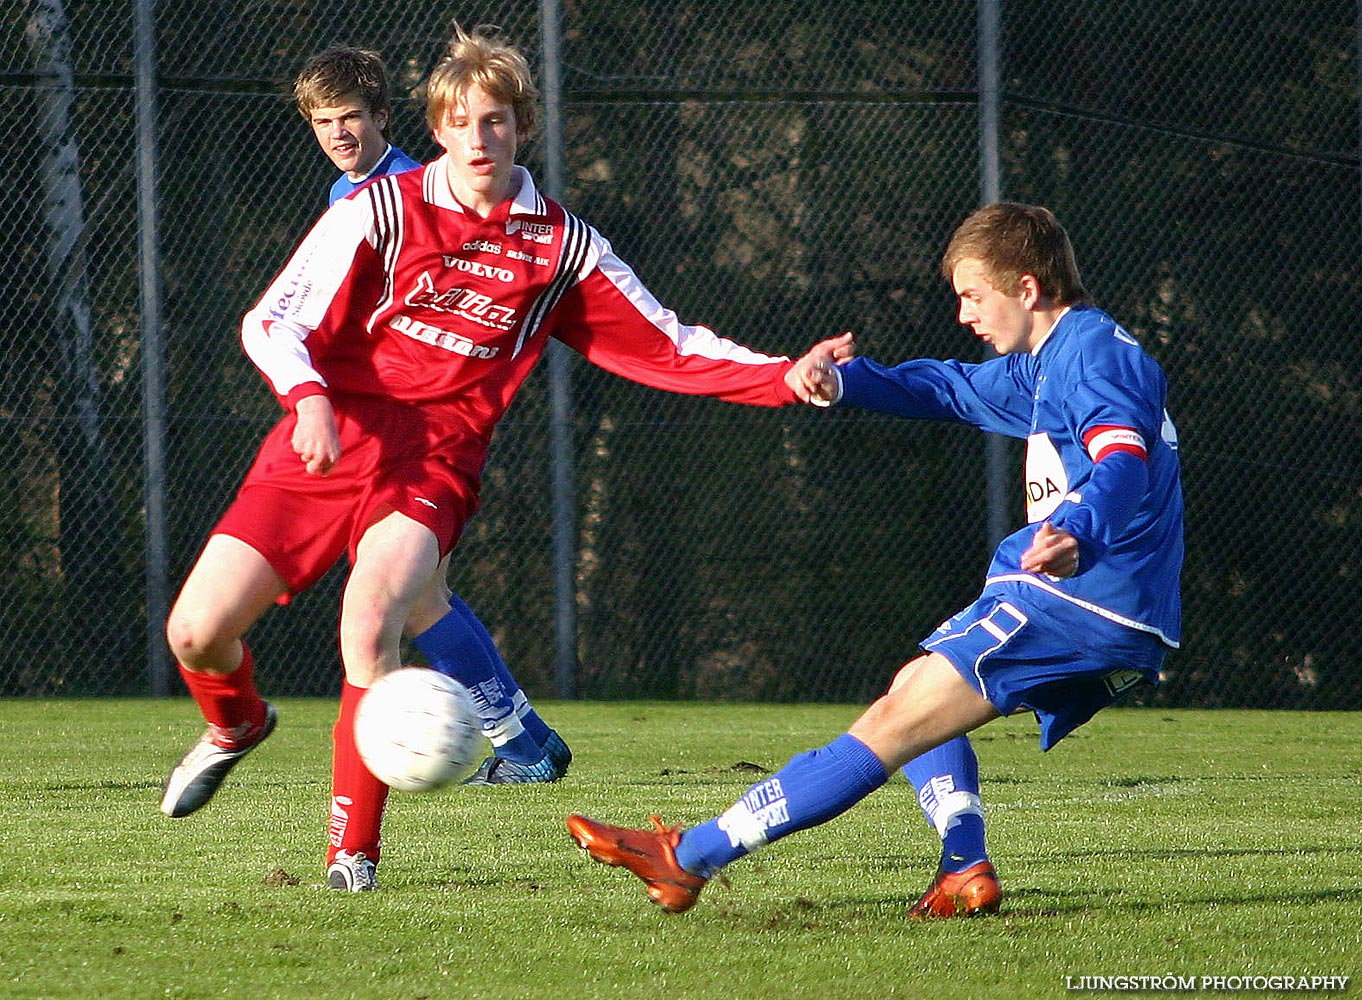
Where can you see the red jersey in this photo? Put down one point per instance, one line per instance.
(399, 293)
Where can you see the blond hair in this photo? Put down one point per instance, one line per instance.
(1011, 240)
(480, 57)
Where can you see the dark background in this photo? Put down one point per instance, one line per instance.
(779, 172)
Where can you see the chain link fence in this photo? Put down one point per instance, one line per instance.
(779, 172)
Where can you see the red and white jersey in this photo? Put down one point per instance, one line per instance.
(399, 293)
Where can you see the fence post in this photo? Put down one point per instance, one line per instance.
(153, 361)
(990, 190)
(560, 381)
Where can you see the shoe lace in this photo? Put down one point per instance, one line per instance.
(204, 748)
(671, 833)
(361, 868)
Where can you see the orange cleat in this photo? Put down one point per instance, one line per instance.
(649, 854)
(963, 894)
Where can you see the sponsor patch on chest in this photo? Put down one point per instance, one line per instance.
(446, 340)
(1046, 481)
(467, 303)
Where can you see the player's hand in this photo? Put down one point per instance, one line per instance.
(1053, 552)
(813, 378)
(315, 438)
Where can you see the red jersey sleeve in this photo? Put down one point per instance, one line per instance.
(615, 322)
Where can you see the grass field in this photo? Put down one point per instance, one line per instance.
(1149, 843)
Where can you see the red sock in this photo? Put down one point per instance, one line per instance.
(357, 797)
(230, 703)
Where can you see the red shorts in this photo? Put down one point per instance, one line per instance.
(302, 523)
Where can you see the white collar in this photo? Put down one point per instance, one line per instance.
(388, 148)
(1041, 343)
(526, 201)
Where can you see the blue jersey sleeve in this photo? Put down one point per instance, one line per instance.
(1113, 383)
(993, 396)
(1108, 502)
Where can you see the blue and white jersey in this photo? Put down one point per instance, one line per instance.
(394, 161)
(1088, 389)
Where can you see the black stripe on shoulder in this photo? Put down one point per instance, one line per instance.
(576, 243)
(385, 197)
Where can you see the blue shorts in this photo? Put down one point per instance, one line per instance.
(1017, 658)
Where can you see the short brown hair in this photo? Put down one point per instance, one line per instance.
(481, 57)
(339, 73)
(1011, 240)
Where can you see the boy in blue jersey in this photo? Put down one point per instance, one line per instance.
(343, 94)
(1078, 607)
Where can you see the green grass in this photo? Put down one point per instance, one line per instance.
(1148, 843)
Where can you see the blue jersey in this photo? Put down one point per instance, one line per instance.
(394, 161)
(1087, 387)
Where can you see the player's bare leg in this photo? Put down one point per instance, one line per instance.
(432, 603)
(229, 588)
(927, 704)
(394, 564)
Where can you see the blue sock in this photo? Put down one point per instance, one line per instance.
(453, 648)
(947, 783)
(963, 845)
(529, 718)
(812, 788)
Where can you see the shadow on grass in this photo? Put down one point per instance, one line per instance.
(1031, 902)
(1185, 853)
(1022, 903)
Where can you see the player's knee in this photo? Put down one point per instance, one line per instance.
(192, 637)
(905, 672)
(179, 637)
(367, 636)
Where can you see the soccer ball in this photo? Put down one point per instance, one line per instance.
(417, 730)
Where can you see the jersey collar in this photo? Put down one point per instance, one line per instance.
(1035, 351)
(387, 151)
(527, 200)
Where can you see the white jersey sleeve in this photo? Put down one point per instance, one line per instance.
(274, 333)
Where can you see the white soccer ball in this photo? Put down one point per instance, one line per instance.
(417, 729)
